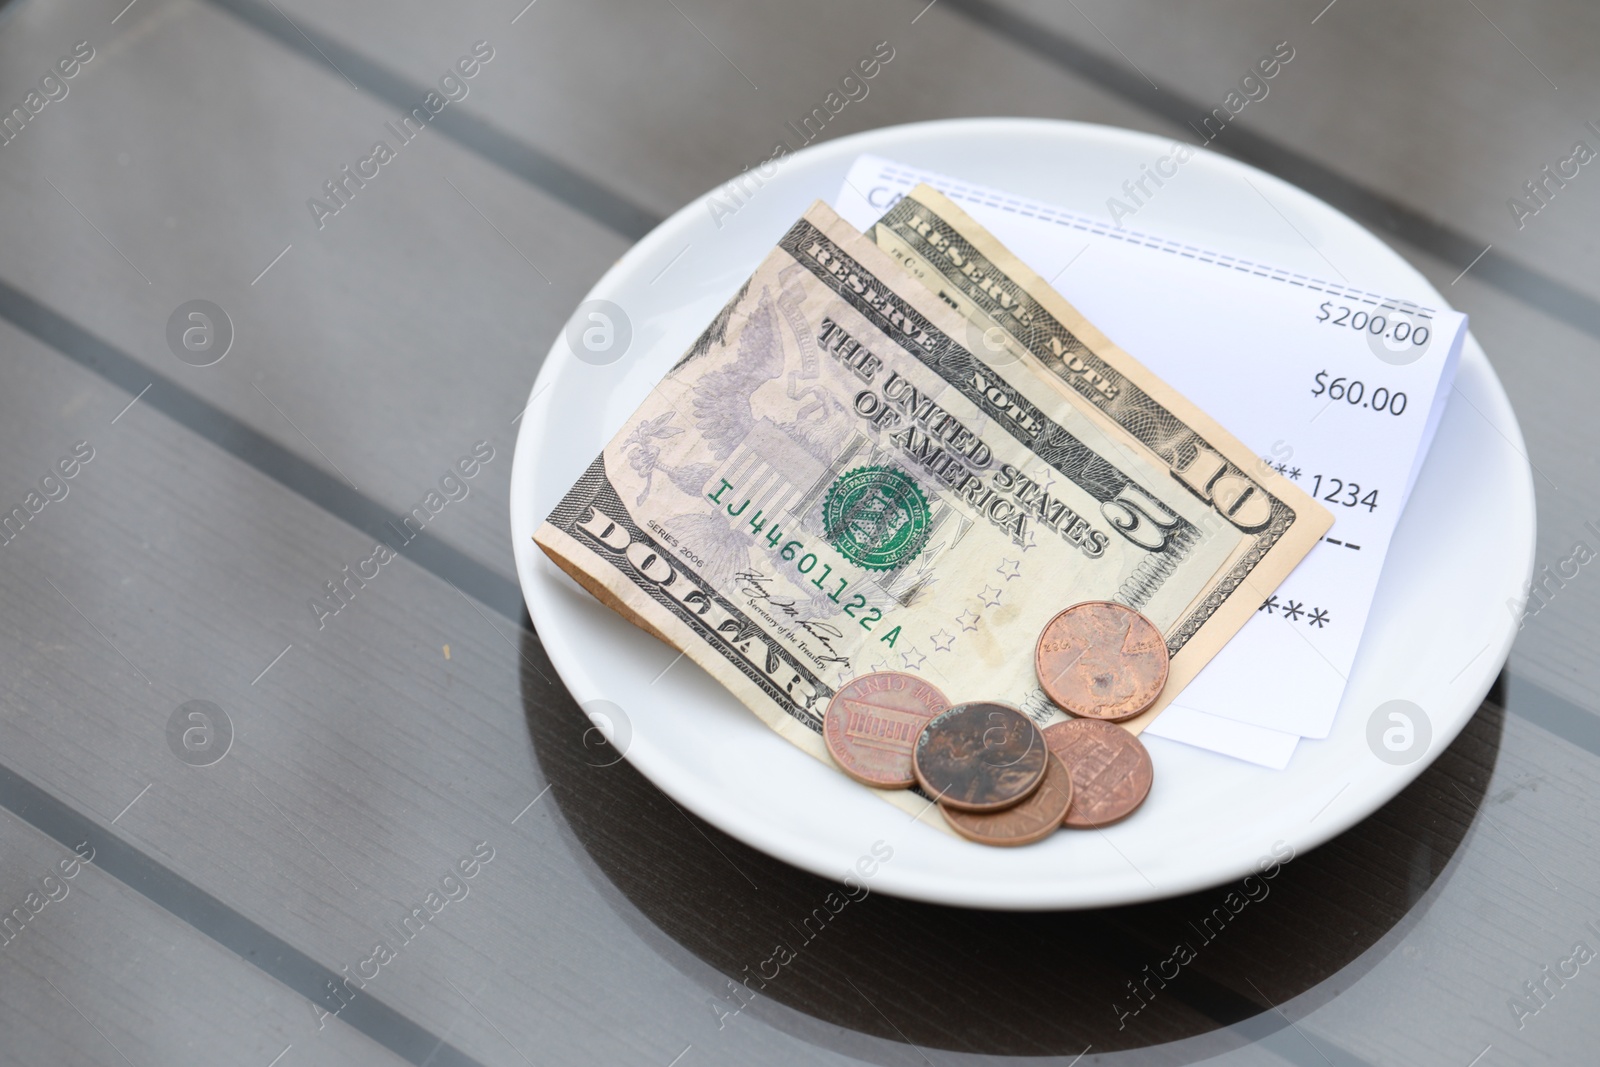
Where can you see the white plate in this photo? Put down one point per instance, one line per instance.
(1438, 634)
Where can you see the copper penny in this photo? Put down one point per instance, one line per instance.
(1110, 768)
(1033, 819)
(1101, 660)
(981, 756)
(873, 721)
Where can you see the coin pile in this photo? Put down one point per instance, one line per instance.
(997, 778)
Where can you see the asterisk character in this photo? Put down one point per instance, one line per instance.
(1280, 468)
(1010, 568)
(1270, 606)
(968, 620)
(906, 658)
(1318, 618)
(1294, 472)
(1294, 610)
(990, 597)
(943, 640)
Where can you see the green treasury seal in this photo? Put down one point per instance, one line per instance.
(876, 517)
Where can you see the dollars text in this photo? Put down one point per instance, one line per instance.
(1355, 394)
(1378, 325)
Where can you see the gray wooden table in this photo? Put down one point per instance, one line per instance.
(164, 906)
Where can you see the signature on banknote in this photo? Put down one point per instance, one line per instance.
(753, 586)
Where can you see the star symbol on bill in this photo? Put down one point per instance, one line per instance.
(1294, 472)
(881, 665)
(943, 640)
(1319, 618)
(990, 597)
(1293, 610)
(906, 658)
(1031, 541)
(1270, 605)
(1010, 568)
(968, 620)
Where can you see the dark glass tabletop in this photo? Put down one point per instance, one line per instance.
(270, 796)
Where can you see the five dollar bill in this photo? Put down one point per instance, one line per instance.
(905, 451)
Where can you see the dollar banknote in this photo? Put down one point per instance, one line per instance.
(1015, 317)
(831, 482)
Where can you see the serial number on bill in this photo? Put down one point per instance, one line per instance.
(793, 551)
